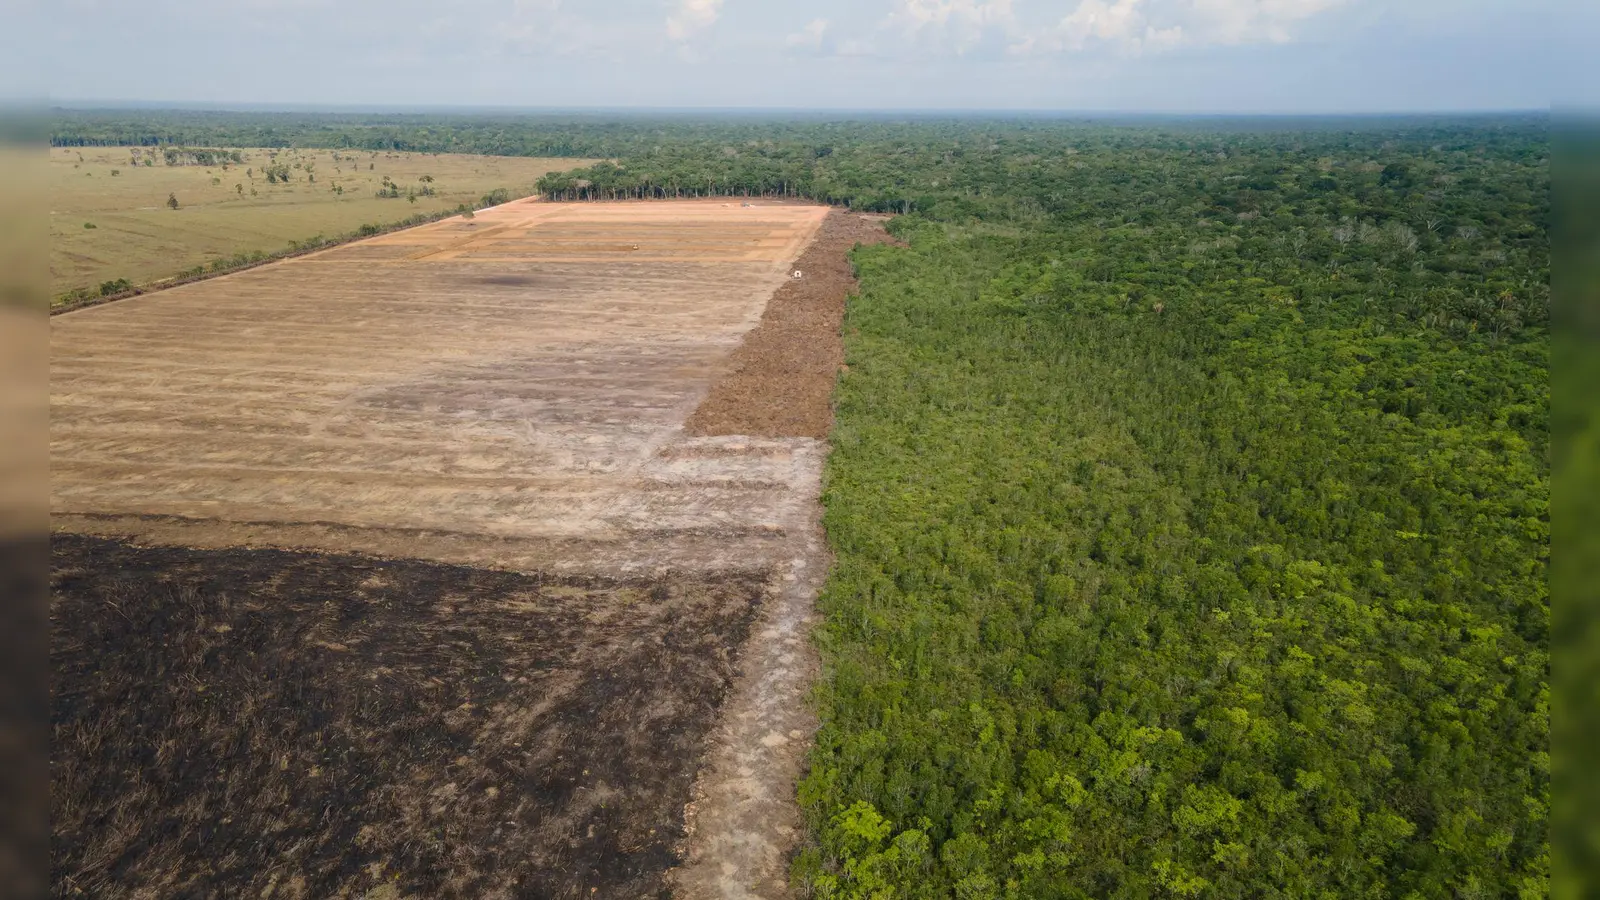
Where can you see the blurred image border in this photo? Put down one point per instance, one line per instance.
(24, 503)
(1575, 506)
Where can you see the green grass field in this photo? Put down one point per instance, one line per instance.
(228, 209)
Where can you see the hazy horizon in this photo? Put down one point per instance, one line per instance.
(1128, 57)
(159, 105)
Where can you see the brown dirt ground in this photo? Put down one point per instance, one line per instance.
(490, 392)
(781, 383)
(261, 723)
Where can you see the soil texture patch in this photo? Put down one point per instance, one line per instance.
(261, 723)
(783, 374)
(507, 391)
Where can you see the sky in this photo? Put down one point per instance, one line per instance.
(1160, 56)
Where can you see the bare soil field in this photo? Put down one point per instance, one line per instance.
(396, 570)
(508, 390)
(782, 378)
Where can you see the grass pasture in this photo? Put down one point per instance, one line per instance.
(229, 209)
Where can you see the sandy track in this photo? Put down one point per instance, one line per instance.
(744, 819)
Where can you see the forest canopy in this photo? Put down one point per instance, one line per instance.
(1191, 502)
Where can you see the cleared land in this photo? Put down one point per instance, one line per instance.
(229, 209)
(508, 390)
(782, 376)
(462, 604)
(307, 725)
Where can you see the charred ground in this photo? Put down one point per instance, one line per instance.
(267, 723)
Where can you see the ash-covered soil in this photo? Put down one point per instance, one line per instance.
(783, 374)
(272, 724)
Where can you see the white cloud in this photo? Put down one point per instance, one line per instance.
(1022, 28)
(957, 25)
(1097, 20)
(1252, 21)
(1389, 54)
(810, 37)
(1121, 24)
(554, 27)
(692, 17)
(1135, 26)
(961, 13)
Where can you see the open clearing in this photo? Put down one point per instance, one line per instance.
(317, 726)
(225, 210)
(395, 567)
(508, 390)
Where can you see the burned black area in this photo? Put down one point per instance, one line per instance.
(267, 723)
(24, 704)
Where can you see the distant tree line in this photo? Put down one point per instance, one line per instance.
(201, 156)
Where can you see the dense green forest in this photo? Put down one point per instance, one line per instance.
(1190, 490)
(1193, 530)
(1200, 553)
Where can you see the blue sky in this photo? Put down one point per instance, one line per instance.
(1107, 55)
